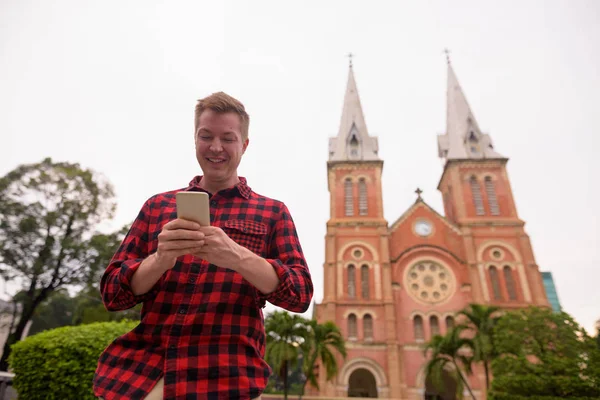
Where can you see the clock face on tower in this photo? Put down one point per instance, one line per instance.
(423, 228)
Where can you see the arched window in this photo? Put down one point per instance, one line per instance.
(510, 283)
(495, 283)
(368, 327)
(364, 281)
(351, 281)
(418, 327)
(362, 197)
(434, 325)
(348, 200)
(352, 326)
(449, 322)
(477, 199)
(354, 145)
(491, 195)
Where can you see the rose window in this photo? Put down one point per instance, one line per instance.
(429, 282)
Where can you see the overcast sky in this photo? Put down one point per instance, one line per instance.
(112, 85)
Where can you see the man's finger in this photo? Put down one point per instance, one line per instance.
(181, 234)
(181, 244)
(182, 224)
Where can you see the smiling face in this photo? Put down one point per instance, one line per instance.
(219, 149)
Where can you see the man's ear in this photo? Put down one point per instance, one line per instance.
(245, 146)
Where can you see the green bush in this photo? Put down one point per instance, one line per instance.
(504, 396)
(60, 363)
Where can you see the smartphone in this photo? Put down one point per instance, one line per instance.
(193, 206)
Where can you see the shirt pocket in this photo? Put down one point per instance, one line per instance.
(250, 234)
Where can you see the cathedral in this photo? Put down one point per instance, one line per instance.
(390, 287)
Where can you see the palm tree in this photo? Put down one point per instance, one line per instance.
(323, 341)
(481, 320)
(285, 333)
(452, 351)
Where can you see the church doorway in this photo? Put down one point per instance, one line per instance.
(447, 391)
(362, 384)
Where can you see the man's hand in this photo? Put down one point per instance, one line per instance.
(219, 249)
(177, 238)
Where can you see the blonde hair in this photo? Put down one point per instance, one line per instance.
(223, 103)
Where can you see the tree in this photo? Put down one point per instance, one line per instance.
(103, 246)
(450, 353)
(285, 334)
(323, 341)
(480, 321)
(544, 354)
(598, 333)
(56, 311)
(49, 213)
(89, 308)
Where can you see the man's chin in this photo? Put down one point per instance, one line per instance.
(215, 176)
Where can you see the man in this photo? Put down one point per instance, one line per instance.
(201, 334)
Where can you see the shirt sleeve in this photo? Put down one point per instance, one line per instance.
(115, 286)
(295, 290)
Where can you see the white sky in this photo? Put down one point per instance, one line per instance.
(113, 84)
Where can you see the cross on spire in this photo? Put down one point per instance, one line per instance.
(447, 55)
(418, 192)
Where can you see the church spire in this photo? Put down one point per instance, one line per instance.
(463, 138)
(353, 142)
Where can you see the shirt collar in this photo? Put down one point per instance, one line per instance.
(241, 187)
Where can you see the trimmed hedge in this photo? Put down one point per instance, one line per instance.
(60, 363)
(498, 396)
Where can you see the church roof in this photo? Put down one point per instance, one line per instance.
(463, 138)
(353, 142)
(416, 205)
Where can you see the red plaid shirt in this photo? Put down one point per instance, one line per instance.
(202, 326)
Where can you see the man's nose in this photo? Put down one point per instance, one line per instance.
(215, 145)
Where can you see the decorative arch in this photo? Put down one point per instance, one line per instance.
(358, 264)
(420, 378)
(490, 175)
(359, 313)
(366, 363)
(367, 178)
(368, 311)
(345, 247)
(417, 313)
(480, 176)
(512, 265)
(490, 243)
(516, 265)
(350, 311)
(427, 314)
(448, 314)
(348, 176)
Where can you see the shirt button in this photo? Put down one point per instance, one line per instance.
(244, 229)
(191, 279)
(213, 203)
(182, 310)
(172, 347)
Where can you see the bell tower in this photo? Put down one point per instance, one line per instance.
(478, 198)
(357, 294)
(354, 167)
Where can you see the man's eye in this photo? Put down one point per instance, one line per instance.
(228, 140)
(205, 137)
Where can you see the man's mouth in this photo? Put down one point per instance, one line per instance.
(216, 160)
